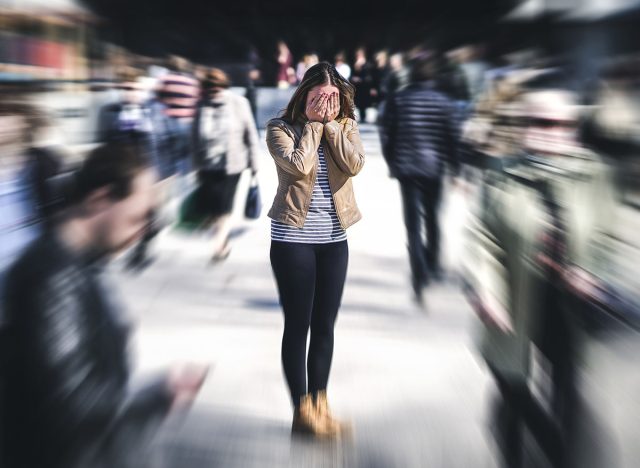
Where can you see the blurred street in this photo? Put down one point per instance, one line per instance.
(406, 378)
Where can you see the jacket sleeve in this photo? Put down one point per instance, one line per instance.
(346, 147)
(63, 353)
(250, 135)
(296, 160)
(388, 130)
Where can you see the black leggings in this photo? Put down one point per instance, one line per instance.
(310, 281)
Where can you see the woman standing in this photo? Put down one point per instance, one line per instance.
(317, 150)
(226, 143)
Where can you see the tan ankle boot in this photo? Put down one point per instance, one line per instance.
(324, 413)
(307, 421)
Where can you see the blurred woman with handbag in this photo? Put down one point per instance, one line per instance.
(226, 143)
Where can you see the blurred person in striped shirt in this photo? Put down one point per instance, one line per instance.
(179, 90)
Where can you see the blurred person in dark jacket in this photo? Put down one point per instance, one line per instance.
(68, 401)
(418, 143)
(362, 78)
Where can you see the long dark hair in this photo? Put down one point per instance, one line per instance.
(320, 74)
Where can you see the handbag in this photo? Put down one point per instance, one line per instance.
(253, 207)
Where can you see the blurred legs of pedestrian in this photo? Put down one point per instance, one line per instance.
(222, 229)
(216, 195)
(421, 200)
(140, 257)
(362, 114)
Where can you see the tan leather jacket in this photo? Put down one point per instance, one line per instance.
(295, 151)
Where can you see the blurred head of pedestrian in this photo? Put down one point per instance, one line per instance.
(340, 58)
(283, 49)
(382, 59)
(425, 67)
(321, 78)
(215, 83)
(114, 195)
(132, 90)
(553, 116)
(396, 61)
(178, 64)
(360, 56)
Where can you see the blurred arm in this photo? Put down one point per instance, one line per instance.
(67, 353)
(388, 130)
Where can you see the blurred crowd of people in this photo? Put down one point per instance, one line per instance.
(548, 164)
(549, 168)
(63, 335)
(373, 78)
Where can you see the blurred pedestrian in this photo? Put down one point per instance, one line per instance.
(307, 62)
(342, 66)
(317, 150)
(253, 79)
(362, 79)
(538, 255)
(418, 143)
(398, 77)
(179, 91)
(226, 143)
(137, 120)
(380, 73)
(68, 401)
(286, 74)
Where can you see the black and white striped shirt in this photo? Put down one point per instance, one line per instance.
(321, 225)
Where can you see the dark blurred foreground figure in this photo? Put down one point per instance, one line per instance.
(68, 401)
(28, 202)
(417, 136)
(538, 253)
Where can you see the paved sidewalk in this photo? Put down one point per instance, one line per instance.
(407, 379)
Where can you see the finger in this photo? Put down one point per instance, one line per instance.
(319, 103)
(323, 104)
(314, 101)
